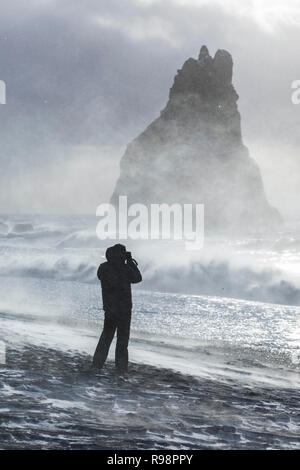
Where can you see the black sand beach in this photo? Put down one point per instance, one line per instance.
(53, 400)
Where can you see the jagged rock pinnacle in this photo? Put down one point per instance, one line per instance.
(203, 55)
(194, 152)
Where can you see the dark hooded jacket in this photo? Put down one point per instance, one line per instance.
(116, 278)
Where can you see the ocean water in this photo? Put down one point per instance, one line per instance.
(214, 350)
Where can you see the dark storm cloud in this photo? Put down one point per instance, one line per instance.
(78, 80)
(96, 72)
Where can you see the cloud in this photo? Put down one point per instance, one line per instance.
(94, 73)
(268, 14)
(140, 28)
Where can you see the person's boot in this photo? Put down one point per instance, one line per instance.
(96, 365)
(122, 372)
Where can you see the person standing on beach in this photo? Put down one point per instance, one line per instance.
(116, 276)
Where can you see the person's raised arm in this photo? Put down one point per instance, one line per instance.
(133, 271)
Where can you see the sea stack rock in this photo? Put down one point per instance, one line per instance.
(194, 153)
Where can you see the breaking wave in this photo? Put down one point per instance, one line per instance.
(66, 248)
(213, 277)
(221, 279)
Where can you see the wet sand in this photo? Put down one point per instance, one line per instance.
(50, 399)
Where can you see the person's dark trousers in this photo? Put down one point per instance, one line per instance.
(113, 322)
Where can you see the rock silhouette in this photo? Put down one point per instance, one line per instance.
(194, 153)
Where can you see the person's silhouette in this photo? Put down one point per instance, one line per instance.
(116, 276)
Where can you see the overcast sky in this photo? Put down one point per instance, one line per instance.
(85, 77)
